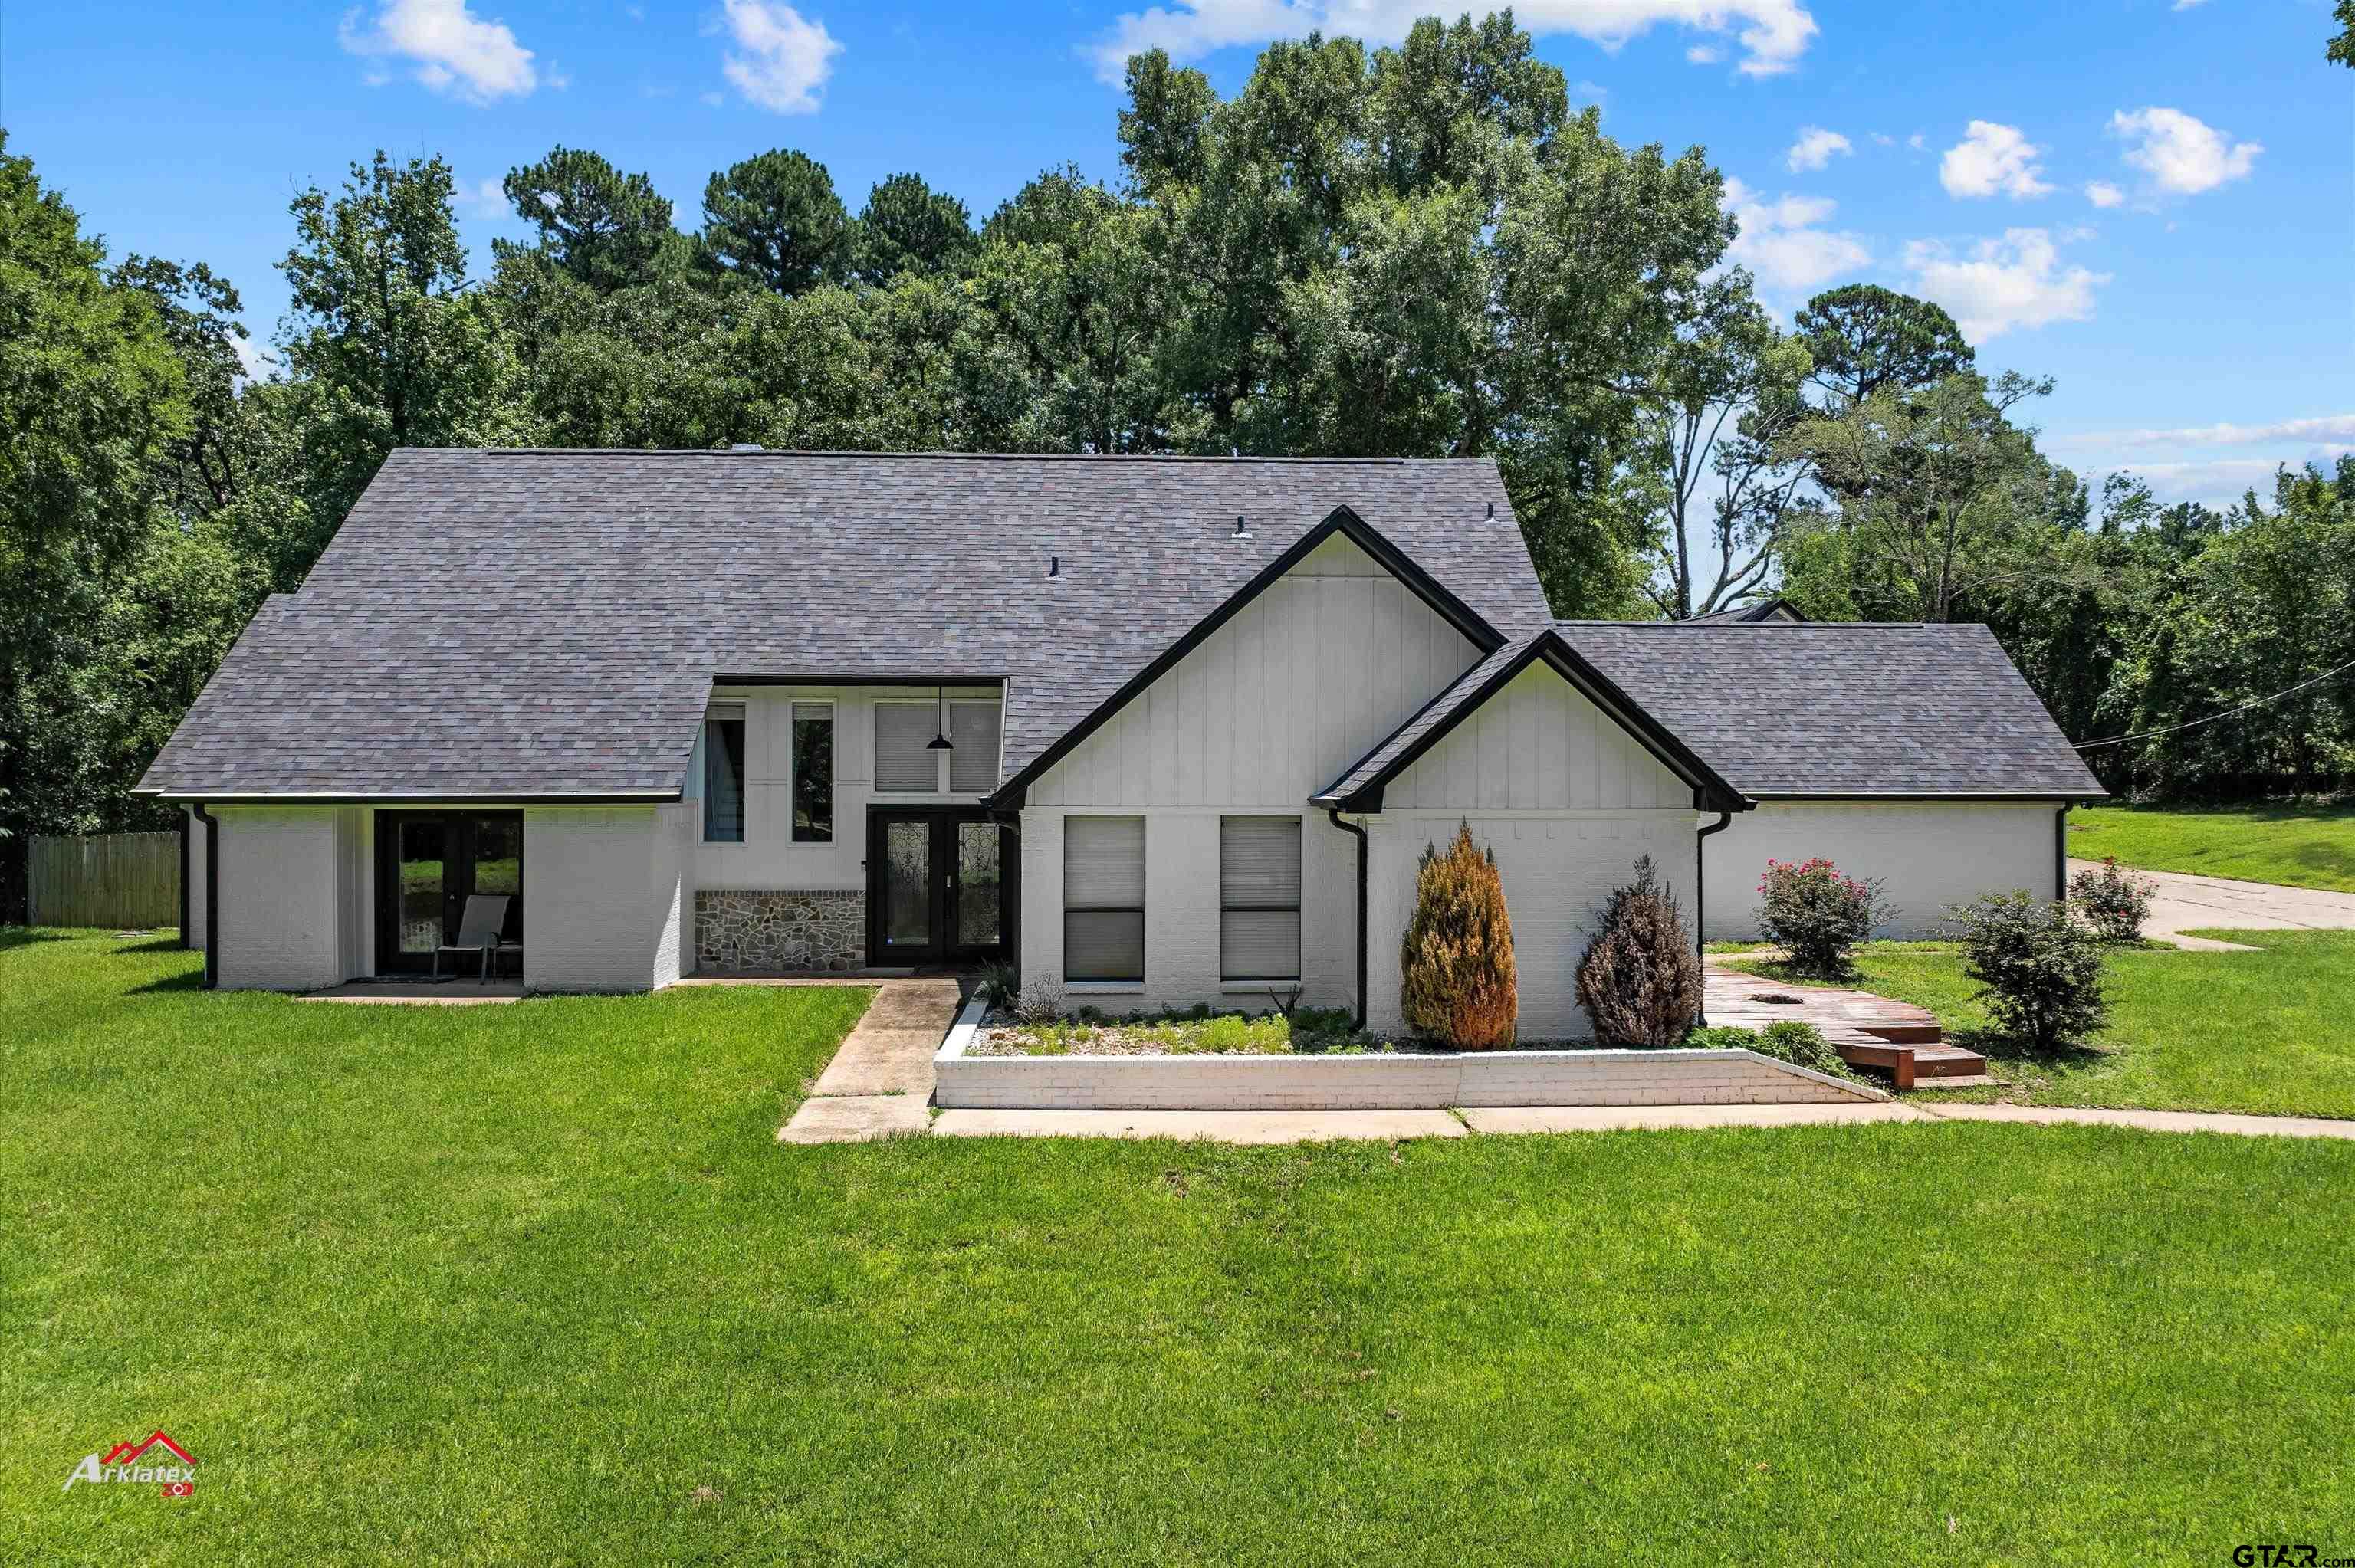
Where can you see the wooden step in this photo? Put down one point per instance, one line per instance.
(1908, 1064)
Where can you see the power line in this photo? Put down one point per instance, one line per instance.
(2212, 718)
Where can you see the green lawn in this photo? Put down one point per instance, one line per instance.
(2269, 1031)
(536, 1284)
(2298, 846)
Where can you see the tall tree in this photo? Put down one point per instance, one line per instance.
(1932, 490)
(1863, 337)
(908, 227)
(775, 220)
(2340, 50)
(1716, 418)
(600, 227)
(390, 346)
(92, 399)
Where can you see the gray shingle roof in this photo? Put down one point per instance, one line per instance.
(549, 622)
(1842, 709)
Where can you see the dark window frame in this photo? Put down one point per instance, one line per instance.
(815, 833)
(714, 752)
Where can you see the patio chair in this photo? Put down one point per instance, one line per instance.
(478, 931)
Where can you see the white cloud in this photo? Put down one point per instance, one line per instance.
(1814, 148)
(2100, 192)
(2218, 482)
(1917, 142)
(2015, 281)
(2325, 428)
(2180, 153)
(2187, 5)
(1992, 158)
(1781, 244)
(1772, 34)
(253, 363)
(785, 59)
(453, 49)
(484, 198)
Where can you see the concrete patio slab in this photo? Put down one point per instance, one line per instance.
(2151, 1121)
(1221, 1126)
(1615, 1118)
(854, 1119)
(418, 993)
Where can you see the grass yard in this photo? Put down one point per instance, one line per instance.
(2269, 1033)
(2298, 846)
(535, 1284)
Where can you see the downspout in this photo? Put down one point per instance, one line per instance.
(1701, 923)
(212, 894)
(184, 881)
(1359, 832)
(2061, 853)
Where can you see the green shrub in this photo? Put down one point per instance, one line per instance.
(1639, 980)
(2039, 968)
(1801, 1044)
(2113, 900)
(1457, 979)
(999, 985)
(1815, 914)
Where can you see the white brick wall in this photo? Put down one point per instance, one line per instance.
(606, 889)
(1381, 1083)
(281, 909)
(195, 933)
(1929, 854)
(1557, 868)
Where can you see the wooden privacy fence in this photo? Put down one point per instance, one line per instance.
(124, 880)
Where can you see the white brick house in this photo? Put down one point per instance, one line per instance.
(1161, 731)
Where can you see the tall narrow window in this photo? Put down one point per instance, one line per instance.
(813, 773)
(723, 774)
(1258, 898)
(972, 730)
(904, 761)
(1104, 898)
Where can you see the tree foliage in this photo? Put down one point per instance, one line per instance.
(1639, 978)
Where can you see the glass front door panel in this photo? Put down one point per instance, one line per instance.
(979, 887)
(908, 884)
(422, 861)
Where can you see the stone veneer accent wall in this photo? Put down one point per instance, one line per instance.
(784, 930)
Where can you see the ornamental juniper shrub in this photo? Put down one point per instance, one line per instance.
(2113, 900)
(2039, 967)
(1640, 978)
(1457, 982)
(1816, 914)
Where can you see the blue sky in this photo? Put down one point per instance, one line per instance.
(2148, 199)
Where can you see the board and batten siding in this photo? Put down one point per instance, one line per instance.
(1305, 680)
(1539, 744)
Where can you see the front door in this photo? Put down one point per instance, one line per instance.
(428, 864)
(939, 887)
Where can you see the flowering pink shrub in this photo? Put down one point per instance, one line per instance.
(1816, 912)
(2113, 901)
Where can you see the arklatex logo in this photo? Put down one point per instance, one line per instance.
(119, 1463)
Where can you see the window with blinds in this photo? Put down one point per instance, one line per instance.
(1104, 898)
(903, 731)
(813, 773)
(972, 730)
(723, 774)
(1258, 898)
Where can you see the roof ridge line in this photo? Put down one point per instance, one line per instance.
(974, 457)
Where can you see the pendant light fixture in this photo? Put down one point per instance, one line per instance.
(940, 741)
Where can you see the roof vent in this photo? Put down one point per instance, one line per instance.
(747, 446)
(1240, 532)
(1054, 568)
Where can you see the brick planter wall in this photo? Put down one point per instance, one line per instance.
(740, 931)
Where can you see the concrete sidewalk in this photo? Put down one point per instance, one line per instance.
(2185, 903)
(881, 1080)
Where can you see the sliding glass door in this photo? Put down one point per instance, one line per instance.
(428, 864)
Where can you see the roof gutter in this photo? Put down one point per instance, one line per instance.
(212, 895)
(1701, 921)
(1357, 829)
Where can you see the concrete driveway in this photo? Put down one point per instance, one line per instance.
(2186, 903)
